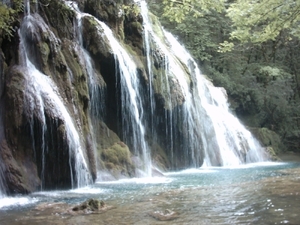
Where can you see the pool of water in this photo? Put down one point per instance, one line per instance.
(265, 193)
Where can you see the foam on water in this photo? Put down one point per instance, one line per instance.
(144, 180)
(88, 190)
(249, 165)
(8, 202)
(194, 171)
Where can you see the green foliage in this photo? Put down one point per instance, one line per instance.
(261, 20)
(9, 15)
(254, 21)
(117, 154)
(131, 9)
(179, 10)
(225, 47)
(257, 61)
(196, 32)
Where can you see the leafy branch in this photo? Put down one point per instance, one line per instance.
(9, 15)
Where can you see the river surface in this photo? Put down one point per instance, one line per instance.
(267, 193)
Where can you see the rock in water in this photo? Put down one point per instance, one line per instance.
(91, 205)
(164, 216)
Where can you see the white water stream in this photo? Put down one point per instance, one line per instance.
(42, 96)
(234, 143)
(237, 194)
(132, 110)
(213, 133)
(210, 126)
(131, 102)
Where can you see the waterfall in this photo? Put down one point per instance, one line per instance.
(232, 141)
(42, 96)
(165, 105)
(131, 99)
(27, 8)
(2, 183)
(2, 168)
(213, 136)
(97, 95)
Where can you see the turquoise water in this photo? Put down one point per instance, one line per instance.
(252, 194)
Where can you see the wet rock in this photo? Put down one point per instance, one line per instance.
(156, 172)
(272, 154)
(19, 179)
(165, 215)
(90, 206)
(117, 160)
(268, 138)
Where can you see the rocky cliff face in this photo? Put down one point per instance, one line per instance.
(86, 86)
(35, 149)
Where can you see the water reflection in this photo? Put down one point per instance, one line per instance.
(260, 194)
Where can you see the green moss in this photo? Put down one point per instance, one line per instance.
(269, 138)
(132, 10)
(272, 154)
(8, 17)
(157, 28)
(159, 156)
(117, 154)
(137, 26)
(117, 160)
(60, 16)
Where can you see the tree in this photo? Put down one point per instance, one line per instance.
(258, 21)
(9, 16)
(253, 21)
(178, 10)
(257, 60)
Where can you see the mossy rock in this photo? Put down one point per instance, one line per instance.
(159, 156)
(117, 154)
(96, 43)
(272, 154)
(117, 160)
(90, 205)
(106, 11)
(60, 16)
(167, 90)
(268, 138)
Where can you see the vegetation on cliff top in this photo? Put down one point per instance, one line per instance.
(250, 49)
(9, 16)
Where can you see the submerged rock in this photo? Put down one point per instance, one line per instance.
(165, 215)
(91, 205)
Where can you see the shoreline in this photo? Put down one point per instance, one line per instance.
(289, 156)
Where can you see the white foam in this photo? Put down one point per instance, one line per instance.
(144, 180)
(88, 190)
(194, 170)
(249, 165)
(16, 201)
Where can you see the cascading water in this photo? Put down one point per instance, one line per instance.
(131, 100)
(2, 183)
(131, 103)
(235, 144)
(96, 93)
(213, 136)
(151, 41)
(41, 98)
